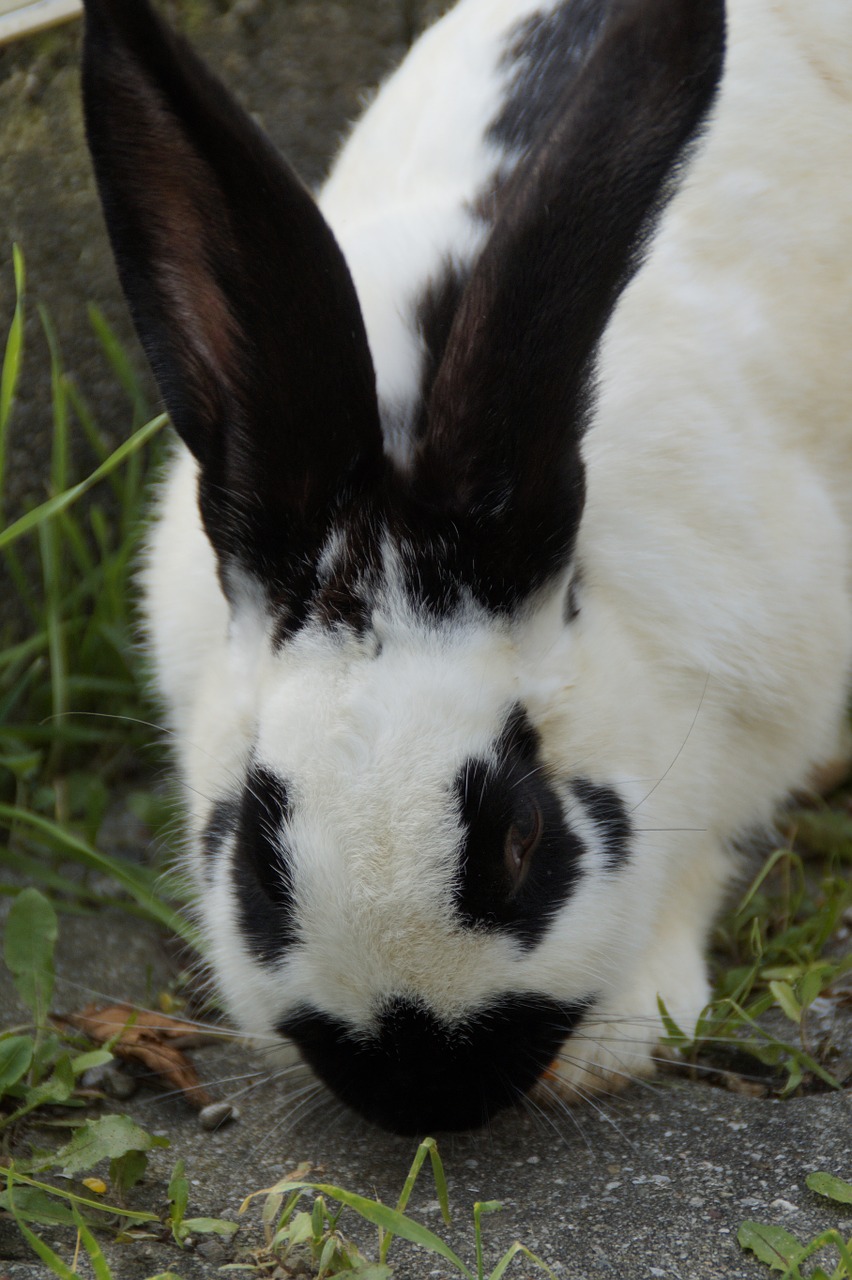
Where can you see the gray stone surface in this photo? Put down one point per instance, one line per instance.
(654, 1183)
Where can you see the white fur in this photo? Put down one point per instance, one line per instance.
(706, 674)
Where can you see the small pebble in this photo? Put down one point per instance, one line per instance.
(119, 1084)
(216, 1114)
(214, 1252)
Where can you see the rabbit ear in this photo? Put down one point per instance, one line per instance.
(511, 395)
(240, 294)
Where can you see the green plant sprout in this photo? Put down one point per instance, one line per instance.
(333, 1255)
(774, 953)
(782, 1252)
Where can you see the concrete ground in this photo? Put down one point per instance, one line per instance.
(654, 1183)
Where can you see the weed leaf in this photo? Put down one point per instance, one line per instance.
(31, 932)
(44, 1251)
(125, 1171)
(786, 998)
(772, 1245)
(825, 1184)
(16, 1054)
(33, 1205)
(178, 1199)
(108, 1138)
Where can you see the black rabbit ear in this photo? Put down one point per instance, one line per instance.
(511, 396)
(240, 294)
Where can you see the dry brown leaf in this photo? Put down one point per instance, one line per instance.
(154, 1039)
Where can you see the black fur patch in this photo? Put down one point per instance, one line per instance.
(493, 797)
(548, 51)
(433, 317)
(606, 809)
(221, 824)
(260, 870)
(414, 1074)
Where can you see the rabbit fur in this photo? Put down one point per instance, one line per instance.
(477, 680)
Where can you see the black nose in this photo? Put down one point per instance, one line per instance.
(414, 1073)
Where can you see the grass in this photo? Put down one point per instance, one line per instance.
(71, 698)
(777, 953)
(71, 689)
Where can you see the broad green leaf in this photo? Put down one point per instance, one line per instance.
(178, 1194)
(44, 1251)
(372, 1271)
(299, 1230)
(331, 1254)
(318, 1217)
(108, 1138)
(31, 933)
(55, 1090)
(786, 998)
(21, 1180)
(825, 1184)
(125, 1171)
(772, 1245)
(815, 982)
(88, 1061)
(34, 1205)
(16, 1054)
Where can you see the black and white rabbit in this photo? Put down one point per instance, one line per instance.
(504, 578)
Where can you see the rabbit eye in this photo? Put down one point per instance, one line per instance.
(522, 840)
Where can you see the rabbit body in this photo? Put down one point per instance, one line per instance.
(681, 671)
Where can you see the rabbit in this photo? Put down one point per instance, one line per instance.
(499, 588)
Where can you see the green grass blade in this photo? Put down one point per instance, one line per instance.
(11, 362)
(511, 1253)
(117, 356)
(93, 1249)
(137, 881)
(59, 401)
(44, 1251)
(61, 501)
(49, 550)
(134, 1216)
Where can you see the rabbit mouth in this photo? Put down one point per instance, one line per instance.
(414, 1074)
